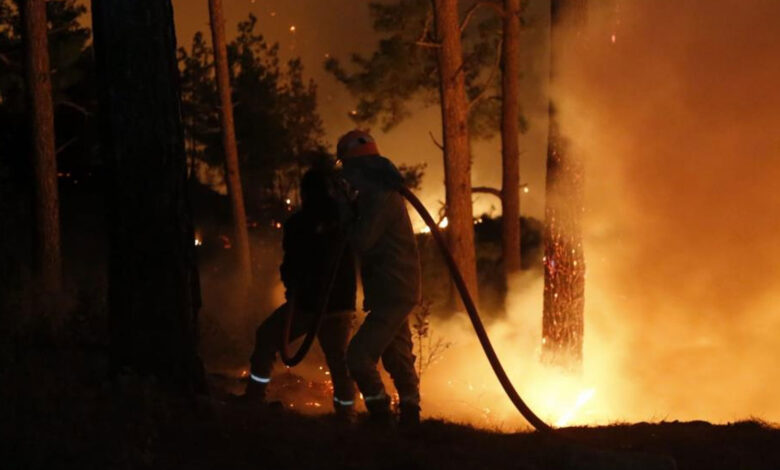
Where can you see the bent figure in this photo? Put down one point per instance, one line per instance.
(311, 242)
(381, 234)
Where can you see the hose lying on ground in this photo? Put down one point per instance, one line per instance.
(293, 359)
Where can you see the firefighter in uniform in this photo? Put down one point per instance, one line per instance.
(379, 229)
(311, 242)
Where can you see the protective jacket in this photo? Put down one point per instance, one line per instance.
(381, 233)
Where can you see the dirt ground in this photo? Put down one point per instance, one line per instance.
(58, 411)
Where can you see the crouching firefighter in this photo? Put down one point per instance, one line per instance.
(312, 241)
(379, 229)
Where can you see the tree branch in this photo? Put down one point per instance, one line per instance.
(424, 40)
(476, 6)
(492, 75)
(65, 145)
(75, 106)
(436, 142)
(486, 190)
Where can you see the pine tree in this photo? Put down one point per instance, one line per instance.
(233, 174)
(564, 262)
(276, 126)
(510, 147)
(404, 70)
(457, 156)
(48, 257)
(153, 280)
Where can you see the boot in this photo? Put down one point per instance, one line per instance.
(410, 415)
(379, 412)
(345, 413)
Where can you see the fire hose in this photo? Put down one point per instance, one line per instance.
(292, 359)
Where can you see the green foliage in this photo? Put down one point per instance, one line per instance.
(402, 71)
(276, 118)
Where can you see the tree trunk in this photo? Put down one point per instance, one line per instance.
(510, 153)
(233, 175)
(457, 158)
(48, 258)
(564, 262)
(153, 293)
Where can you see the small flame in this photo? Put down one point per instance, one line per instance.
(583, 398)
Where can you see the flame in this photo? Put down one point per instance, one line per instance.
(583, 398)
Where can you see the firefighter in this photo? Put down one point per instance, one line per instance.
(381, 234)
(311, 240)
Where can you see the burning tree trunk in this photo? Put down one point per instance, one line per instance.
(457, 158)
(153, 280)
(48, 259)
(510, 153)
(564, 263)
(233, 175)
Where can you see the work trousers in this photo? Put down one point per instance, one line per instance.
(333, 337)
(385, 334)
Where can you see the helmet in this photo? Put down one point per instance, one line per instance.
(356, 143)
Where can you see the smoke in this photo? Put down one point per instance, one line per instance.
(674, 108)
(676, 122)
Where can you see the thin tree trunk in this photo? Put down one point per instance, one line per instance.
(457, 158)
(564, 265)
(510, 153)
(153, 293)
(48, 257)
(229, 144)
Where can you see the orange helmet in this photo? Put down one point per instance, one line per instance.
(356, 143)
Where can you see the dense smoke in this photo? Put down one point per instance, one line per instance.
(674, 107)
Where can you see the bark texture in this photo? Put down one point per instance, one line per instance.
(457, 158)
(510, 147)
(564, 262)
(48, 257)
(233, 174)
(154, 295)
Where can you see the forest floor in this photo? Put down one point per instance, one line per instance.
(57, 411)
